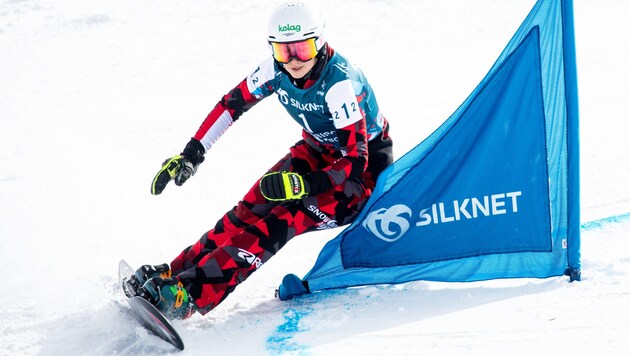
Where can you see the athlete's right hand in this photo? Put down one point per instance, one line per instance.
(171, 169)
(180, 167)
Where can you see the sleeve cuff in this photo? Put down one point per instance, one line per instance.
(318, 182)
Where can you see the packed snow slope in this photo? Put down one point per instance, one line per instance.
(95, 94)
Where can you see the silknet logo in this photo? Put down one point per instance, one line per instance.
(283, 96)
(391, 224)
(388, 224)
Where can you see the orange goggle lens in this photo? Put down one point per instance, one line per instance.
(302, 51)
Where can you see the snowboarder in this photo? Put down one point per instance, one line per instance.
(323, 182)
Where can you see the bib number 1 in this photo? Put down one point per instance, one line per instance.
(353, 108)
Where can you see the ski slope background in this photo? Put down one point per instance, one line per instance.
(95, 94)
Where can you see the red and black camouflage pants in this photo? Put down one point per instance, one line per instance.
(255, 229)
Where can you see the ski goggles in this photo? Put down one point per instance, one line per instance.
(303, 51)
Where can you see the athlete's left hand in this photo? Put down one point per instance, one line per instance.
(278, 186)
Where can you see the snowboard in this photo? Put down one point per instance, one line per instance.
(147, 314)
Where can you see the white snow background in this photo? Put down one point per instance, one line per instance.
(94, 95)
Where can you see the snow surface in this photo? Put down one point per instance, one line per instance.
(95, 94)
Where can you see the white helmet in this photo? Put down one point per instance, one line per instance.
(295, 21)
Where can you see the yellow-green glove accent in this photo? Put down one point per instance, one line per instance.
(169, 170)
(279, 186)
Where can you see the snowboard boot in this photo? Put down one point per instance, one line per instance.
(142, 275)
(169, 296)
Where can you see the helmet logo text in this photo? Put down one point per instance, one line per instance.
(288, 27)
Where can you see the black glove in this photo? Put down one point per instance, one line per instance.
(180, 167)
(194, 152)
(278, 186)
(186, 170)
(192, 158)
